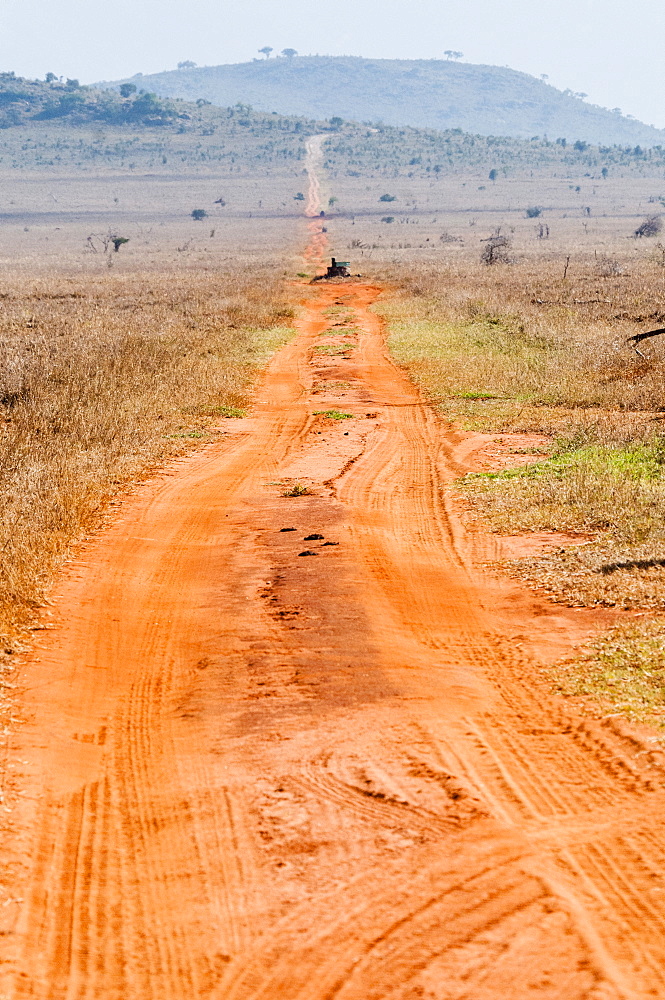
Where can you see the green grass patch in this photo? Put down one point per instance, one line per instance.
(333, 414)
(230, 411)
(477, 395)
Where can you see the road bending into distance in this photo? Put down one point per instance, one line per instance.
(254, 774)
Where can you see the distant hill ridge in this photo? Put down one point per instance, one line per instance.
(440, 94)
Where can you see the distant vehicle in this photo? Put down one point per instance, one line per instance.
(338, 269)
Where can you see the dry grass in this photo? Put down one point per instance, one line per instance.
(519, 349)
(101, 379)
(625, 670)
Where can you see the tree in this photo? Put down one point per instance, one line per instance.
(73, 84)
(289, 53)
(533, 212)
(336, 121)
(651, 226)
(266, 50)
(187, 64)
(127, 89)
(299, 197)
(50, 77)
(388, 197)
(199, 214)
(493, 174)
(452, 54)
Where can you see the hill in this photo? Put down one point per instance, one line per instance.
(487, 100)
(53, 124)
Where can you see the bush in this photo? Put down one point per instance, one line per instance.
(533, 212)
(388, 197)
(496, 250)
(199, 214)
(651, 226)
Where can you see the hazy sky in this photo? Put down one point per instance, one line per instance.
(612, 50)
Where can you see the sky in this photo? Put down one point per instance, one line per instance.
(608, 49)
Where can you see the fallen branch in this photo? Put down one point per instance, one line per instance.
(637, 338)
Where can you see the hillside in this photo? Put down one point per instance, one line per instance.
(46, 125)
(487, 100)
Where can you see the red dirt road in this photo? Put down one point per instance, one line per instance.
(256, 775)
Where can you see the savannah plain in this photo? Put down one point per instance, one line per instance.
(331, 612)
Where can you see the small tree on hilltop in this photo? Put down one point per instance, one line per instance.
(266, 50)
(289, 53)
(127, 89)
(187, 64)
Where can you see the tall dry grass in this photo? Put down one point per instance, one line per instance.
(102, 378)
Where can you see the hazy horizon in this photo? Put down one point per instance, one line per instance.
(605, 50)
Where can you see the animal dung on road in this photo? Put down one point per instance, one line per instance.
(307, 552)
(314, 538)
(287, 529)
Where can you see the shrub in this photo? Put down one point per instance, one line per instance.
(651, 226)
(388, 197)
(496, 250)
(533, 212)
(199, 214)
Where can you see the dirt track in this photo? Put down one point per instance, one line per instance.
(255, 775)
